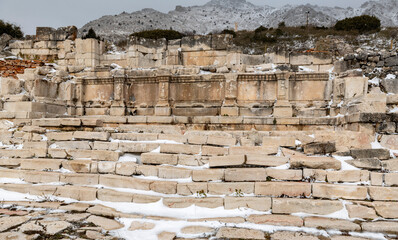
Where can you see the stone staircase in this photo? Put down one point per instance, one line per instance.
(133, 178)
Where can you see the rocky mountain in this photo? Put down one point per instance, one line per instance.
(217, 15)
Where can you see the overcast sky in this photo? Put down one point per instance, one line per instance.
(57, 13)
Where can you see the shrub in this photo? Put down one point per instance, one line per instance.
(260, 29)
(281, 25)
(364, 23)
(264, 38)
(229, 31)
(159, 33)
(91, 34)
(11, 29)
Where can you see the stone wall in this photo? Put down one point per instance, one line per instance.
(61, 45)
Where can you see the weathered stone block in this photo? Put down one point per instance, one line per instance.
(245, 174)
(277, 189)
(256, 203)
(332, 191)
(310, 206)
(277, 220)
(231, 160)
(314, 162)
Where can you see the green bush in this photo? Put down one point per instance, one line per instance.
(159, 33)
(11, 29)
(229, 31)
(260, 29)
(91, 34)
(364, 23)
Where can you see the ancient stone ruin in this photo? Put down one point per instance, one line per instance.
(192, 139)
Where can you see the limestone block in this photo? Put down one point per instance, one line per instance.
(105, 223)
(207, 175)
(383, 193)
(230, 188)
(355, 87)
(94, 155)
(47, 122)
(245, 174)
(159, 158)
(110, 195)
(126, 168)
(71, 122)
(166, 187)
(10, 86)
(231, 160)
(293, 236)
(221, 141)
(129, 147)
(265, 160)
(180, 148)
(348, 176)
(77, 192)
(376, 179)
(391, 179)
(277, 220)
(84, 145)
(41, 177)
(314, 162)
(359, 211)
(174, 172)
(110, 146)
(59, 136)
(136, 136)
(255, 150)
(57, 153)
(214, 151)
(332, 191)
(310, 206)
(41, 164)
(315, 174)
(256, 203)
(386, 209)
(197, 139)
(79, 179)
(106, 167)
(187, 189)
(239, 233)
(99, 136)
(279, 141)
(389, 141)
(366, 163)
(77, 166)
(124, 182)
(337, 224)
(192, 160)
(381, 154)
(147, 170)
(282, 174)
(380, 226)
(390, 165)
(138, 198)
(196, 230)
(136, 225)
(277, 189)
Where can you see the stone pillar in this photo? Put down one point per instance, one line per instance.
(80, 97)
(162, 107)
(282, 107)
(118, 107)
(229, 107)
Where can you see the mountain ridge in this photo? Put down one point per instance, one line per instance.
(217, 15)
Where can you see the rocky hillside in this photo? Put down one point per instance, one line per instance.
(221, 14)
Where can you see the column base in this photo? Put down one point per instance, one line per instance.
(162, 111)
(283, 109)
(229, 111)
